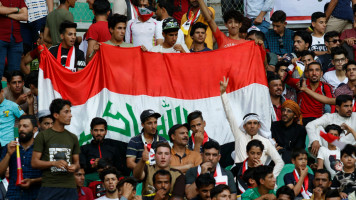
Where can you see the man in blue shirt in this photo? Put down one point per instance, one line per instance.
(32, 177)
(9, 111)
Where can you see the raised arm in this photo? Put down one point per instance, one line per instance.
(138, 171)
(321, 98)
(207, 15)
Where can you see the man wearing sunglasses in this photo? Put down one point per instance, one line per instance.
(331, 40)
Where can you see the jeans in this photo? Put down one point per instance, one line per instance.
(12, 51)
(29, 31)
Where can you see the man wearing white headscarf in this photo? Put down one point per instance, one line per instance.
(251, 128)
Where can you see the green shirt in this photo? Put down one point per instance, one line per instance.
(123, 44)
(253, 193)
(54, 20)
(56, 146)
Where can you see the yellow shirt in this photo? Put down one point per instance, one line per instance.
(209, 34)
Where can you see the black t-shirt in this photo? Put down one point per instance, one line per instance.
(79, 61)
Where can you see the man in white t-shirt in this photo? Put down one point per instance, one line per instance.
(330, 156)
(170, 29)
(110, 179)
(337, 76)
(319, 26)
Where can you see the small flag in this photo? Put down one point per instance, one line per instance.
(332, 139)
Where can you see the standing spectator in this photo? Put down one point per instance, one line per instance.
(162, 183)
(144, 30)
(348, 36)
(259, 12)
(31, 183)
(193, 16)
(280, 39)
(70, 56)
(98, 32)
(56, 153)
(182, 158)
(110, 178)
(275, 87)
(337, 76)
(55, 19)
(84, 193)
(11, 45)
(339, 15)
(117, 28)
(331, 40)
(10, 111)
(198, 35)
(319, 26)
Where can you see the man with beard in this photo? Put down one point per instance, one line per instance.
(287, 133)
(182, 158)
(100, 147)
(322, 183)
(110, 178)
(275, 86)
(32, 177)
(162, 183)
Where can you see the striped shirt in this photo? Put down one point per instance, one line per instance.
(37, 9)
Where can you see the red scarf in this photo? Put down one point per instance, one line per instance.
(305, 185)
(244, 166)
(69, 56)
(206, 138)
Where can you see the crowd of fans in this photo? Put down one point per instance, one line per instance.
(311, 78)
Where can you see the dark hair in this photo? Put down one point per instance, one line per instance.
(62, 1)
(332, 194)
(306, 52)
(218, 189)
(57, 105)
(258, 34)
(350, 62)
(287, 191)
(343, 99)
(279, 16)
(306, 37)
(248, 175)
(280, 64)
(44, 117)
(101, 7)
(0, 87)
(10, 75)
(330, 35)
(334, 127)
(323, 171)
(313, 63)
(163, 144)
(193, 115)
(42, 29)
(211, 144)
(114, 19)
(130, 180)
(98, 121)
(348, 150)
(104, 163)
(254, 143)
(168, 5)
(273, 77)
(354, 8)
(246, 24)
(162, 172)
(338, 51)
(32, 79)
(31, 118)
(110, 170)
(315, 16)
(66, 24)
(196, 26)
(233, 14)
(297, 152)
(204, 180)
(261, 172)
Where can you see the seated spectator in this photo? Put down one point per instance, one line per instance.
(45, 120)
(55, 19)
(285, 193)
(144, 30)
(66, 53)
(248, 178)
(251, 128)
(254, 151)
(282, 70)
(99, 31)
(300, 180)
(18, 93)
(319, 26)
(110, 178)
(97, 186)
(265, 185)
(127, 188)
(302, 42)
(182, 158)
(348, 88)
(170, 29)
(330, 156)
(307, 57)
(245, 27)
(280, 39)
(101, 147)
(204, 184)
(194, 15)
(339, 16)
(275, 87)
(84, 193)
(287, 133)
(4, 184)
(211, 157)
(198, 35)
(162, 184)
(331, 40)
(10, 111)
(345, 180)
(337, 76)
(148, 138)
(145, 172)
(32, 83)
(199, 136)
(348, 37)
(220, 192)
(332, 195)
(232, 20)
(322, 183)
(117, 28)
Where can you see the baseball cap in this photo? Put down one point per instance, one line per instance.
(175, 127)
(170, 24)
(149, 113)
(43, 113)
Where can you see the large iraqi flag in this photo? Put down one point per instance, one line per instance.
(119, 83)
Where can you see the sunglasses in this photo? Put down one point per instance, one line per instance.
(281, 45)
(335, 41)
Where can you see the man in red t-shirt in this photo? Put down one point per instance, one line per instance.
(233, 22)
(98, 32)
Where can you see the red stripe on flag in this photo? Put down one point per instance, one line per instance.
(294, 18)
(133, 72)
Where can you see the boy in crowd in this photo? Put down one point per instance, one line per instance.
(337, 76)
(205, 183)
(300, 180)
(127, 188)
(220, 192)
(319, 26)
(285, 193)
(117, 28)
(110, 178)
